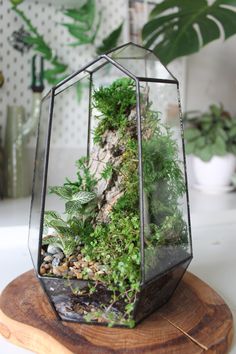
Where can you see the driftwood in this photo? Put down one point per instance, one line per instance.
(109, 152)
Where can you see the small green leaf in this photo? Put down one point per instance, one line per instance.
(50, 215)
(63, 192)
(77, 32)
(84, 197)
(191, 133)
(107, 172)
(51, 240)
(39, 45)
(72, 207)
(60, 226)
(205, 154)
(232, 132)
(200, 142)
(223, 134)
(219, 148)
(16, 2)
(85, 14)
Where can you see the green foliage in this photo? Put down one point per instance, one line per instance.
(110, 41)
(80, 205)
(210, 133)
(115, 104)
(171, 30)
(84, 27)
(58, 69)
(16, 2)
(116, 245)
(66, 237)
(107, 172)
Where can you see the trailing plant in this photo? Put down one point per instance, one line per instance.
(84, 28)
(182, 27)
(210, 133)
(57, 72)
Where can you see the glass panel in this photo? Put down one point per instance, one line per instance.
(157, 292)
(36, 204)
(91, 239)
(141, 62)
(166, 229)
(129, 51)
(68, 136)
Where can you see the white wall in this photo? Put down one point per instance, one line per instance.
(211, 76)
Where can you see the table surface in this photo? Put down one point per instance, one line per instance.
(214, 244)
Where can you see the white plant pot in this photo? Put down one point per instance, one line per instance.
(215, 175)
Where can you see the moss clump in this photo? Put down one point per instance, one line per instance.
(114, 104)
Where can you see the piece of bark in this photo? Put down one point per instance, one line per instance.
(110, 152)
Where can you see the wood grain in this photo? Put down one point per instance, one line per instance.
(196, 320)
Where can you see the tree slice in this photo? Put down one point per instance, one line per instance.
(195, 320)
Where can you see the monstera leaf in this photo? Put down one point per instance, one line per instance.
(181, 27)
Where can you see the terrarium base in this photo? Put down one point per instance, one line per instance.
(195, 320)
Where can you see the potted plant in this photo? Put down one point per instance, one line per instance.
(211, 139)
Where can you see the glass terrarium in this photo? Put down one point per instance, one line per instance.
(110, 230)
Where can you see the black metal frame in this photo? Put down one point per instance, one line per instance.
(53, 92)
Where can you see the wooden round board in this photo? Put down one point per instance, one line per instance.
(195, 320)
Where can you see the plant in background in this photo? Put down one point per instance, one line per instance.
(84, 28)
(209, 134)
(39, 45)
(182, 27)
(110, 41)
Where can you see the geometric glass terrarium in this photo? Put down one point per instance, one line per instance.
(109, 229)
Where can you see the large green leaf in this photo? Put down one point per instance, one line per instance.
(181, 27)
(110, 41)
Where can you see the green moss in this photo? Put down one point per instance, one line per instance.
(115, 104)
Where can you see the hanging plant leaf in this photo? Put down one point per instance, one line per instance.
(83, 27)
(85, 14)
(50, 215)
(36, 40)
(181, 27)
(39, 45)
(110, 41)
(53, 76)
(78, 33)
(16, 2)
